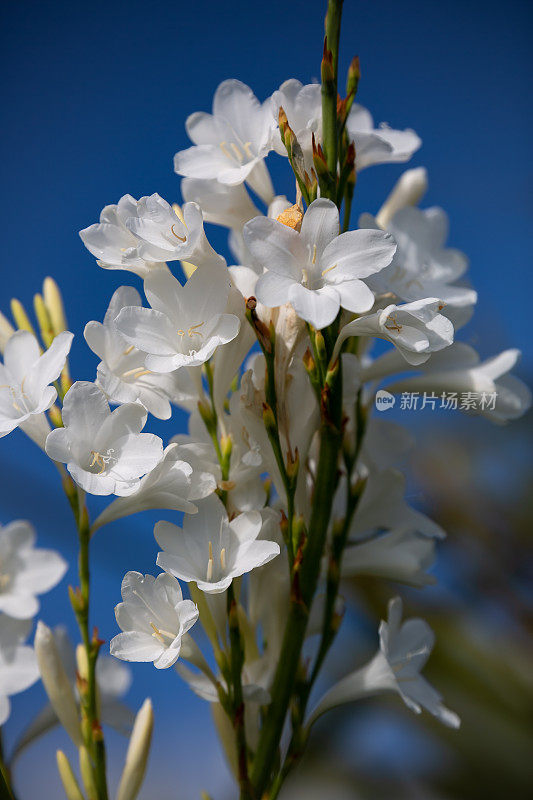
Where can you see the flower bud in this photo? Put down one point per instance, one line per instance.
(43, 318)
(22, 320)
(54, 305)
(6, 332)
(68, 779)
(137, 755)
(353, 77)
(408, 191)
(87, 776)
(56, 682)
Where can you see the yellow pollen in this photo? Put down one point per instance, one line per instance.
(313, 261)
(210, 563)
(292, 217)
(304, 275)
(247, 150)
(97, 459)
(157, 633)
(395, 324)
(223, 558)
(180, 238)
(192, 330)
(328, 269)
(128, 350)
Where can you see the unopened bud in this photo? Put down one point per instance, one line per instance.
(68, 779)
(43, 318)
(408, 191)
(226, 446)
(320, 345)
(54, 305)
(283, 123)
(137, 755)
(22, 320)
(55, 417)
(309, 361)
(82, 663)
(56, 682)
(327, 73)
(352, 79)
(6, 332)
(269, 420)
(319, 159)
(86, 770)
(293, 464)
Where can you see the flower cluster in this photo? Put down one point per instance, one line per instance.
(286, 482)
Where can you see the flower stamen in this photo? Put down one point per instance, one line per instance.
(210, 563)
(180, 238)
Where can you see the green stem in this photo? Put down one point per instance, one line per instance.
(236, 664)
(304, 582)
(330, 624)
(91, 727)
(329, 88)
(348, 198)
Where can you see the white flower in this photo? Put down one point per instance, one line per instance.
(231, 143)
(403, 652)
(113, 244)
(499, 396)
(316, 270)
(185, 324)
(104, 450)
(221, 203)
(18, 665)
(166, 236)
(172, 484)
(153, 617)
(381, 145)
(211, 550)
(303, 106)
(141, 235)
(244, 487)
(396, 555)
(26, 375)
(416, 329)
(382, 506)
(422, 267)
(121, 373)
(25, 571)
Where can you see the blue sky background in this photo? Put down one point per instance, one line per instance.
(95, 96)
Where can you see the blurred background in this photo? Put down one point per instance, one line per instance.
(95, 96)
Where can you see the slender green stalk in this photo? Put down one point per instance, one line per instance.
(80, 599)
(304, 582)
(234, 703)
(329, 87)
(288, 471)
(237, 661)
